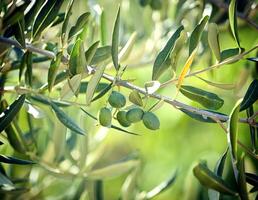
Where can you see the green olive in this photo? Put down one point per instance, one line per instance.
(134, 115)
(151, 121)
(105, 117)
(117, 100)
(121, 118)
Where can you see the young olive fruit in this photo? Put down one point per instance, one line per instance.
(156, 4)
(105, 117)
(117, 100)
(134, 115)
(121, 118)
(151, 121)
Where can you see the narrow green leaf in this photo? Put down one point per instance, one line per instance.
(93, 83)
(251, 95)
(103, 28)
(66, 120)
(161, 187)
(77, 62)
(12, 160)
(135, 98)
(53, 69)
(22, 64)
(201, 118)
(102, 92)
(233, 20)
(68, 14)
(252, 129)
(91, 51)
(196, 34)
(159, 66)
(71, 87)
(100, 87)
(102, 54)
(252, 179)
(210, 180)
(59, 19)
(224, 86)
(233, 130)
(30, 17)
(19, 29)
(46, 16)
(242, 179)
(79, 25)
(8, 114)
(253, 59)
(45, 101)
(28, 74)
(115, 41)
(227, 53)
(205, 98)
(127, 49)
(4, 180)
(213, 39)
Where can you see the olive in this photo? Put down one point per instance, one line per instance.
(134, 115)
(151, 121)
(105, 117)
(121, 118)
(117, 100)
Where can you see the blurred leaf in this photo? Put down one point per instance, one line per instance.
(213, 39)
(228, 53)
(71, 87)
(12, 160)
(135, 98)
(53, 69)
(242, 179)
(196, 35)
(19, 29)
(233, 130)
(93, 83)
(249, 113)
(115, 41)
(46, 16)
(102, 92)
(129, 187)
(66, 120)
(33, 110)
(91, 51)
(201, 118)
(1, 143)
(7, 116)
(99, 194)
(4, 180)
(252, 179)
(80, 24)
(68, 14)
(253, 59)
(22, 64)
(213, 194)
(223, 86)
(251, 95)
(127, 49)
(159, 66)
(77, 62)
(161, 187)
(210, 180)
(45, 101)
(232, 9)
(102, 54)
(59, 19)
(103, 28)
(30, 17)
(207, 99)
(151, 86)
(28, 74)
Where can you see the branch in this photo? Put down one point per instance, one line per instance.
(224, 7)
(128, 85)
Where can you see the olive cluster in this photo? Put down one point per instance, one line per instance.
(154, 4)
(126, 118)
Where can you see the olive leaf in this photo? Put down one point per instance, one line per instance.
(205, 98)
(102, 54)
(213, 39)
(135, 98)
(242, 179)
(4, 180)
(159, 66)
(223, 86)
(115, 41)
(53, 69)
(103, 28)
(251, 95)
(228, 53)
(91, 51)
(12, 160)
(232, 9)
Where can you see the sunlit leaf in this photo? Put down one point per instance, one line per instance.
(135, 98)
(8, 114)
(152, 86)
(71, 87)
(251, 95)
(205, 98)
(127, 49)
(115, 40)
(213, 39)
(53, 69)
(228, 53)
(232, 9)
(159, 66)
(196, 35)
(224, 86)
(12, 160)
(103, 28)
(66, 120)
(91, 51)
(210, 180)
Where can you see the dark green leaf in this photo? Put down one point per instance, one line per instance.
(91, 51)
(159, 65)
(12, 160)
(31, 15)
(59, 19)
(28, 74)
(68, 13)
(205, 98)
(102, 54)
(8, 114)
(232, 9)
(79, 26)
(249, 113)
(210, 180)
(242, 179)
(102, 92)
(115, 40)
(252, 179)
(253, 59)
(53, 69)
(251, 95)
(22, 64)
(196, 34)
(19, 29)
(45, 101)
(46, 16)
(66, 120)
(100, 87)
(227, 53)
